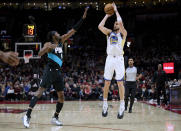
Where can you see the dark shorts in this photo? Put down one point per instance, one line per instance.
(52, 76)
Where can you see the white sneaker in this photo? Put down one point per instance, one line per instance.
(26, 121)
(55, 121)
(151, 101)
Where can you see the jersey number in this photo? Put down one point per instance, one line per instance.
(58, 50)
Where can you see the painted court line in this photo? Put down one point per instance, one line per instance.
(81, 126)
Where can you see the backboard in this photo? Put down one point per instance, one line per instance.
(28, 48)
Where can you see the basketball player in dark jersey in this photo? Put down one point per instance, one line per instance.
(52, 73)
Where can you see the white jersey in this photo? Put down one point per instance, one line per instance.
(114, 44)
(131, 73)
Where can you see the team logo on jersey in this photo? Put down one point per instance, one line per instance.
(114, 39)
(58, 50)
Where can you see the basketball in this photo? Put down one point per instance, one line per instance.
(109, 9)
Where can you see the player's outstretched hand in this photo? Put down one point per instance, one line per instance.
(85, 13)
(115, 7)
(10, 58)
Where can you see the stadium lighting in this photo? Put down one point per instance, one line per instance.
(60, 7)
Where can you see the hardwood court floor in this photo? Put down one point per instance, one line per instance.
(86, 116)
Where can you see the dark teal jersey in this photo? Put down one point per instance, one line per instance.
(55, 57)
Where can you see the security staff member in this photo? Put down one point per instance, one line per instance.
(159, 79)
(130, 84)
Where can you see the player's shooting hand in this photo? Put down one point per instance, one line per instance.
(10, 58)
(85, 13)
(115, 7)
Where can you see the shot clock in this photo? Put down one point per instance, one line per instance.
(29, 30)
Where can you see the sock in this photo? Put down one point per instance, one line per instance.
(33, 101)
(121, 108)
(121, 101)
(58, 109)
(122, 104)
(105, 103)
(32, 104)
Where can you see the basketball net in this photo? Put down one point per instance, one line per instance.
(27, 58)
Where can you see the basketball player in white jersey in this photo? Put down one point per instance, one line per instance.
(115, 60)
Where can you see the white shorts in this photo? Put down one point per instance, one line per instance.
(114, 63)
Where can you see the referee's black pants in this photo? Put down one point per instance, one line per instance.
(130, 90)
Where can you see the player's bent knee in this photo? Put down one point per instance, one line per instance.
(120, 84)
(61, 100)
(60, 96)
(39, 95)
(107, 83)
(40, 92)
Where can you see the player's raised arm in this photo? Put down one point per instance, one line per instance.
(75, 27)
(47, 48)
(10, 58)
(119, 20)
(101, 26)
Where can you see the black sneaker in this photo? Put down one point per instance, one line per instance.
(121, 112)
(130, 110)
(105, 112)
(120, 116)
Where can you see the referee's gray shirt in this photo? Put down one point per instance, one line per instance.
(131, 73)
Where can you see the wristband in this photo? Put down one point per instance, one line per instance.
(119, 19)
(78, 24)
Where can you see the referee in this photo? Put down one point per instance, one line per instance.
(130, 84)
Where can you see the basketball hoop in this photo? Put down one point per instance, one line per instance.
(27, 58)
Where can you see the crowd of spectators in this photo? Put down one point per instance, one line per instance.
(83, 80)
(84, 62)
